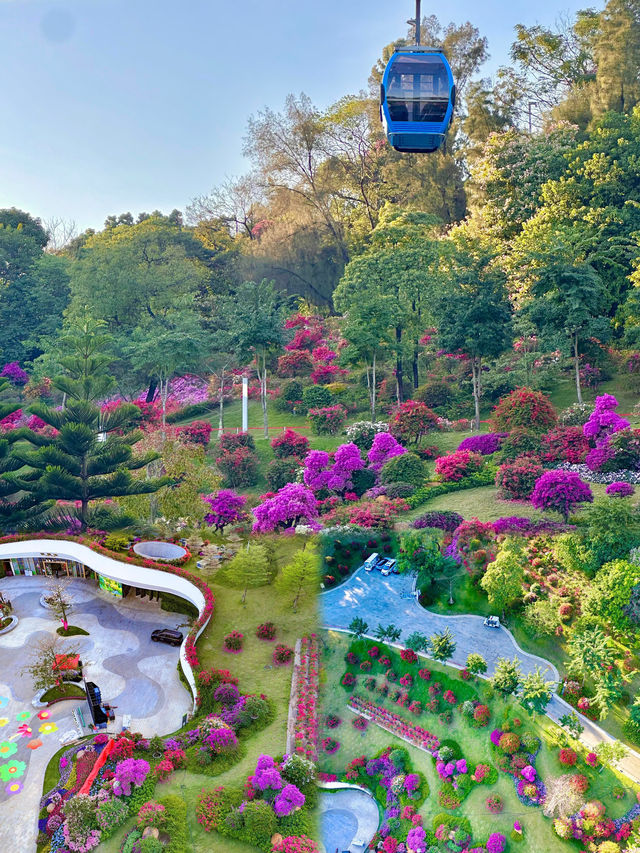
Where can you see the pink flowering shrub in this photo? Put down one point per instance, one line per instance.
(327, 420)
(291, 505)
(197, 432)
(457, 465)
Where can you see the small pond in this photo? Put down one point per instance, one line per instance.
(159, 550)
(349, 819)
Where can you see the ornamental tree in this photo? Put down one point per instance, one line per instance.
(502, 581)
(507, 676)
(536, 692)
(411, 421)
(604, 421)
(226, 507)
(249, 568)
(474, 318)
(293, 504)
(561, 491)
(443, 645)
(476, 664)
(300, 576)
(525, 409)
(324, 472)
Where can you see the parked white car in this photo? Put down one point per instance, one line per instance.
(370, 562)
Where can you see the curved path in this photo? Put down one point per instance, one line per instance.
(386, 600)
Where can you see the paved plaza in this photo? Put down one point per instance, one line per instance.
(134, 674)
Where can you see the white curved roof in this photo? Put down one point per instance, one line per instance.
(126, 573)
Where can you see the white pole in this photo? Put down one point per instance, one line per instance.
(245, 399)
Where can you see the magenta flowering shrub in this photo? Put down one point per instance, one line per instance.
(14, 373)
(385, 446)
(561, 491)
(267, 775)
(131, 771)
(221, 741)
(620, 490)
(326, 471)
(289, 800)
(233, 641)
(496, 843)
(197, 432)
(291, 505)
(290, 443)
(604, 421)
(226, 508)
(485, 443)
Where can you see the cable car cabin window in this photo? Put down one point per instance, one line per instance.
(418, 90)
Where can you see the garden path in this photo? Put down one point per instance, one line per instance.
(385, 600)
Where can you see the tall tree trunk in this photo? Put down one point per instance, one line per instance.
(151, 391)
(414, 365)
(373, 387)
(476, 368)
(399, 375)
(221, 406)
(576, 362)
(263, 394)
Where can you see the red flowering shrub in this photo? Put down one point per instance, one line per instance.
(295, 363)
(494, 804)
(266, 631)
(565, 444)
(455, 466)
(231, 441)
(327, 420)
(239, 467)
(163, 770)
(282, 654)
(411, 421)
(233, 641)
(324, 374)
(516, 480)
(408, 655)
(450, 697)
(197, 432)
(123, 748)
(348, 680)
(568, 757)
(481, 715)
(579, 782)
(290, 443)
(524, 408)
(565, 611)
(424, 674)
(509, 743)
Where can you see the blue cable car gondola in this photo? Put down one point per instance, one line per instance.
(417, 97)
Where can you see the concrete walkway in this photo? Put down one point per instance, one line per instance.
(134, 674)
(349, 818)
(386, 600)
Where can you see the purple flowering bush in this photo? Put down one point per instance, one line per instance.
(131, 771)
(332, 471)
(561, 491)
(514, 525)
(293, 504)
(384, 448)
(14, 373)
(620, 490)
(446, 519)
(485, 444)
(496, 843)
(604, 421)
(225, 507)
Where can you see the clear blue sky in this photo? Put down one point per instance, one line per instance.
(115, 105)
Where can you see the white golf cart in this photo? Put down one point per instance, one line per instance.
(492, 622)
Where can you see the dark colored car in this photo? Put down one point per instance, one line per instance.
(167, 635)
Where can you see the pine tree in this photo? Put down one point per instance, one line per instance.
(300, 576)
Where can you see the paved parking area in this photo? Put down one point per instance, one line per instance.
(137, 676)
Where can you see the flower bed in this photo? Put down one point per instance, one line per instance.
(394, 723)
(306, 699)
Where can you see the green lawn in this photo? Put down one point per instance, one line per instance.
(539, 836)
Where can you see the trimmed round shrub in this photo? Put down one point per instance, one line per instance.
(282, 471)
(458, 465)
(290, 443)
(436, 394)
(565, 444)
(316, 397)
(266, 631)
(524, 408)
(516, 480)
(239, 467)
(620, 490)
(576, 415)
(520, 443)
(290, 396)
(561, 491)
(408, 468)
(282, 654)
(484, 443)
(444, 519)
(509, 743)
(233, 440)
(399, 490)
(567, 757)
(327, 420)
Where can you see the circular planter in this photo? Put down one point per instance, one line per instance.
(46, 606)
(12, 624)
(158, 550)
